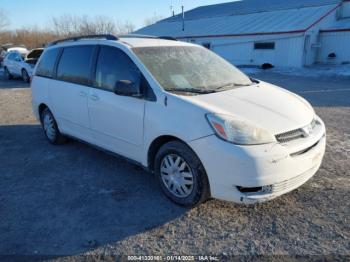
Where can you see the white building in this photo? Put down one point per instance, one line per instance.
(288, 33)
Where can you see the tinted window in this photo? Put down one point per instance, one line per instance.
(74, 65)
(269, 45)
(47, 63)
(114, 65)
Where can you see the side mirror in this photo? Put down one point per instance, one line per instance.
(127, 88)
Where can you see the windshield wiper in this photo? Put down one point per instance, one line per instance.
(191, 90)
(256, 81)
(231, 85)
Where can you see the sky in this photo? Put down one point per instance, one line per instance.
(26, 13)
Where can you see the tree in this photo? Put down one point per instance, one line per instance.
(4, 20)
(152, 20)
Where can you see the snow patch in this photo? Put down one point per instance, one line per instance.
(315, 71)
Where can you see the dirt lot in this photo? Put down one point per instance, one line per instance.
(73, 199)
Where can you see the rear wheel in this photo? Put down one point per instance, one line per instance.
(8, 74)
(181, 174)
(25, 76)
(50, 128)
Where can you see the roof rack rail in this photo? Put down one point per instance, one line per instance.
(168, 38)
(147, 36)
(76, 38)
(137, 36)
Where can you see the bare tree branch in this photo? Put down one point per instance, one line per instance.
(152, 20)
(4, 20)
(68, 25)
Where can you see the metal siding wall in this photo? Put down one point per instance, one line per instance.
(288, 50)
(334, 42)
(346, 10)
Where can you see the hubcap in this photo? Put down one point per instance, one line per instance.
(176, 175)
(49, 126)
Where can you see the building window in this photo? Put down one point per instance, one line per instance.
(207, 45)
(265, 45)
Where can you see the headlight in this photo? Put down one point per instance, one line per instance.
(238, 131)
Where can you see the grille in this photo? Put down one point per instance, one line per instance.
(290, 135)
(292, 182)
(297, 133)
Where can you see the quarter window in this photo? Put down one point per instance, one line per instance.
(114, 65)
(265, 45)
(74, 65)
(47, 63)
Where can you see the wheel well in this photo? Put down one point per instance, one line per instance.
(155, 146)
(41, 109)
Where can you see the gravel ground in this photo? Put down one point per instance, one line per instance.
(72, 199)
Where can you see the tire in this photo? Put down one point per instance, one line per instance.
(25, 76)
(7, 74)
(175, 177)
(51, 131)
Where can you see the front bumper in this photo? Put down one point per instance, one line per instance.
(276, 168)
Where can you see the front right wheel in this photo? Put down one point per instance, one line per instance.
(25, 76)
(7, 73)
(181, 174)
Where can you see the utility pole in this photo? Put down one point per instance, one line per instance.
(183, 18)
(172, 8)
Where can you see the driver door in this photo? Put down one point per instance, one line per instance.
(116, 121)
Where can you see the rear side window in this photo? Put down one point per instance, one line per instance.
(74, 65)
(47, 63)
(114, 65)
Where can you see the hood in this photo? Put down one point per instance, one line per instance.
(35, 53)
(267, 106)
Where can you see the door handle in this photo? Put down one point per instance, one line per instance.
(83, 94)
(94, 97)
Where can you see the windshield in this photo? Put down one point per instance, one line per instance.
(190, 69)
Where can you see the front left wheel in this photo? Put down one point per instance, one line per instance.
(50, 128)
(181, 174)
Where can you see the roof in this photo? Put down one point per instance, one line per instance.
(21, 50)
(245, 17)
(126, 40)
(248, 7)
(340, 25)
(147, 42)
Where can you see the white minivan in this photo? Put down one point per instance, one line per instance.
(202, 126)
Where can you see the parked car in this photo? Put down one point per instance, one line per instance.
(21, 63)
(202, 126)
(4, 49)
